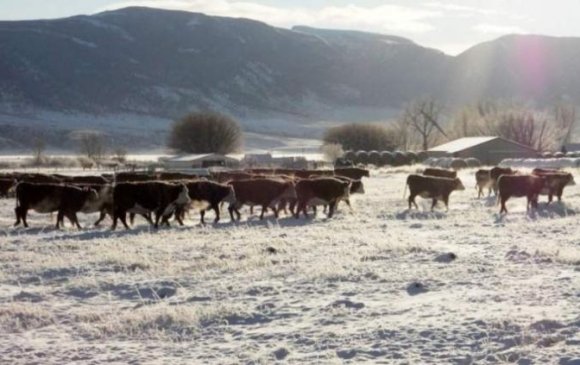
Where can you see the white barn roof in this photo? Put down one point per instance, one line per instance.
(461, 144)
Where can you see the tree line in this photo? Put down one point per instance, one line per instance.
(426, 123)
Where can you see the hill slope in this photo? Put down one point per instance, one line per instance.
(110, 70)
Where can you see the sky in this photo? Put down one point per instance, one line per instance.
(451, 26)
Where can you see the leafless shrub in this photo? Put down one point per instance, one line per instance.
(90, 143)
(205, 133)
(362, 137)
(332, 151)
(420, 124)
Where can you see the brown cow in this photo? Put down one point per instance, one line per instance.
(555, 182)
(320, 191)
(529, 186)
(450, 174)
(48, 198)
(356, 187)
(160, 198)
(207, 195)
(496, 172)
(436, 188)
(483, 181)
(266, 193)
(355, 173)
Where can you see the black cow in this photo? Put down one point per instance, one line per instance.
(48, 198)
(156, 197)
(209, 195)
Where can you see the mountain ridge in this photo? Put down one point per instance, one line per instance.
(164, 63)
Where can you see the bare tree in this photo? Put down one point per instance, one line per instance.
(515, 121)
(206, 133)
(38, 148)
(332, 151)
(120, 155)
(421, 117)
(91, 143)
(565, 117)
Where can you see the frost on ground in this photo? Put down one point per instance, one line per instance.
(379, 285)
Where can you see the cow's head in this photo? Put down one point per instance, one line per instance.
(230, 196)
(346, 188)
(357, 187)
(570, 180)
(458, 184)
(183, 197)
(289, 191)
(92, 194)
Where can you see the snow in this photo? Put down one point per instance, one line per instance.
(83, 42)
(377, 285)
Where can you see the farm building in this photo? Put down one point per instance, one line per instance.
(489, 150)
(182, 162)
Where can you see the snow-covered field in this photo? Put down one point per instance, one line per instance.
(379, 285)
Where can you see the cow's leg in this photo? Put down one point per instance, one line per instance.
(479, 192)
(132, 218)
(72, 216)
(123, 218)
(503, 208)
(231, 210)
(18, 213)
(331, 208)
(300, 208)
(433, 204)
(412, 201)
(347, 201)
(550, 197)
(264, 209)
(102, 215)
(216, 209)
(488, 192)
(59, 218)
(446, 201)
(293, 203)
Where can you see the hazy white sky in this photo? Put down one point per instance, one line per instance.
(449, 25)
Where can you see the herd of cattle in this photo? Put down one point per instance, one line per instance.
(161, 196)
(438, 184)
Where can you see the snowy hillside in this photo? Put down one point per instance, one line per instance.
(379, 285)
